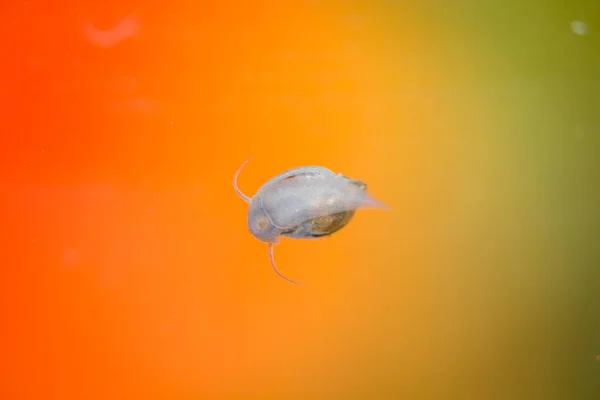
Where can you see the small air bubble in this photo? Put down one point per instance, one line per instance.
(579, 27)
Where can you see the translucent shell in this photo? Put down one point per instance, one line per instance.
(303, 203)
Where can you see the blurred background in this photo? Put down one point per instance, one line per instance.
(127, 271)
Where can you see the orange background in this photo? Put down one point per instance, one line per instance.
(128, 270)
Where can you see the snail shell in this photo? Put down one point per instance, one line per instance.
(303, 203)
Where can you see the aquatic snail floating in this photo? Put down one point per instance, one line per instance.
(303, 203)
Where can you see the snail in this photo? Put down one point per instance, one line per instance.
(303, 203)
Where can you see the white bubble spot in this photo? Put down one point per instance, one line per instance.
(579, 27)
